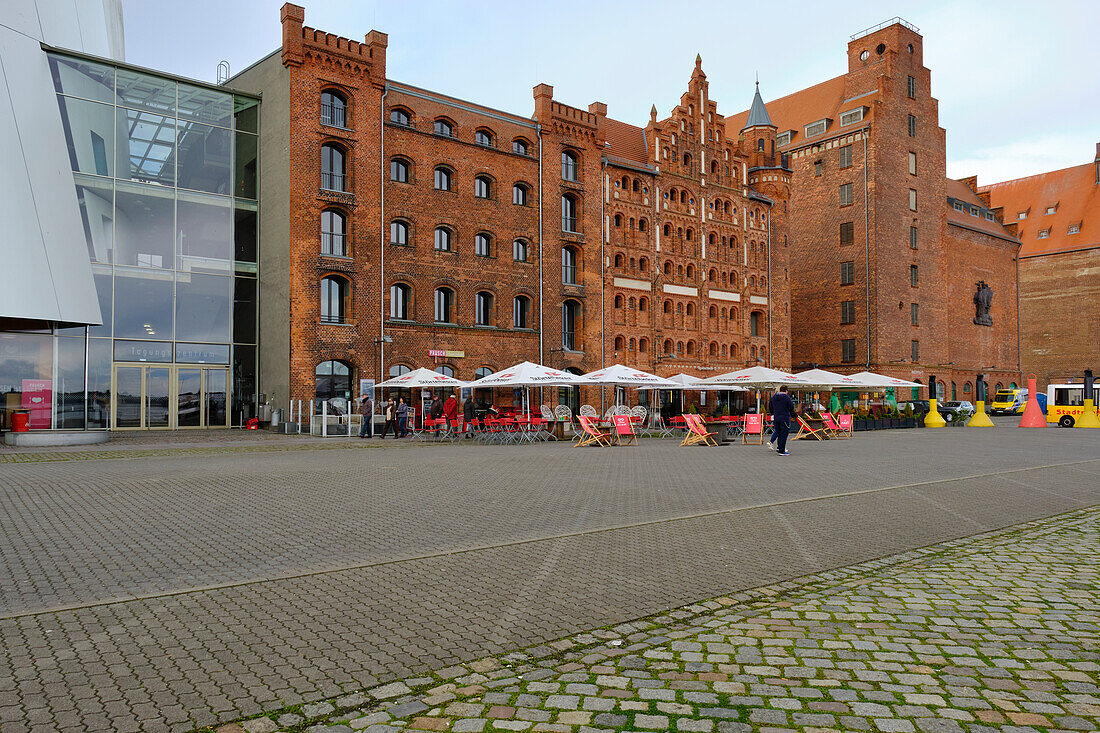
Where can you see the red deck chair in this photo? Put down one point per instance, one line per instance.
(697, 432)
(754, 426)
(592, 434)
(845, 423)
(624, 430)
(832, 427)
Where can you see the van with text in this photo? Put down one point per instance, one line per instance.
(1066, 403)
(1008, 402)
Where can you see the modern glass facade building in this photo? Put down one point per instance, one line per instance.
(166, 174)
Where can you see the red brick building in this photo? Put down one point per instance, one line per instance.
(405, 228)
(1057, 218)
(883, 272)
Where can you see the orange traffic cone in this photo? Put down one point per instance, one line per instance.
(1033, 416)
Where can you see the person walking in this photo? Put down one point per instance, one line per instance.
(450, 408)
(469, 414)
(782, 409)
(436, 410)
(390, 413)
(402, 418)
(366, 409)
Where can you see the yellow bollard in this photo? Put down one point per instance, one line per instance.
(1088, 417)
(933, 419)
(979, 419)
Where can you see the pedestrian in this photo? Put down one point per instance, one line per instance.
(782, 409)
(469, 414)
(390, 413)
(436, 410)
(402, 412)
(450, 408)
(366, 409)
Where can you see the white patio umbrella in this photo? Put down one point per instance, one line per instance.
(870, 379)
(823, 379)
(756, 377)
(423, 378)
(528, 374)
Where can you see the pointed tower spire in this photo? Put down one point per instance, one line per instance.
(758, 113)
(653, 113)
(698, 61)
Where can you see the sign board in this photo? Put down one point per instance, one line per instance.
(446, 354)
(754, 423)
(37, 396)
(366, 387)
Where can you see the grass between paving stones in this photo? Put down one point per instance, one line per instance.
(543, 660)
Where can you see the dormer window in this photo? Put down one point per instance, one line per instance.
(1021, 216)
(973, 210)
(851, 117)
(816, 128)
(958, 206)
(784, 138)
(1044, 233)
(989, 216)
(1074, 229)
(1051, 209)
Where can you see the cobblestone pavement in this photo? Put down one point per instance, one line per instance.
(169, 592)
(998, 633)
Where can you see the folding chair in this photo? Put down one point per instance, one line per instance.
(806, 431)
(846, 423)
(592, 435)
(624, 430)
(754, 426)
(832, 427)
(697, 432)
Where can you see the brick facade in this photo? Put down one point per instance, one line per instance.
(684, 301)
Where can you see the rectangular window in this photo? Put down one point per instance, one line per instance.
(846, 194)
(912, 126)
(850, 118)
(915, 351)
(912, 199)
(912, 88)
(816, 128)
(1074, 229)
(1045, 233)
(846, 156)
(847, 232)
(847, 312)
(1051, 209)
(847, 273)
(912, 237)
(99, 153)
(958, 206)
(989, 216)
(914, 314)
(818, 168)
(912, 163)
(783, 138)
(974, 211)
(1021, 215)
(913, 275)
(848, 350)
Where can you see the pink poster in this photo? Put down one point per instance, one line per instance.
(38, 397)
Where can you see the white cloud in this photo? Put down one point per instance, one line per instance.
(1024, 157)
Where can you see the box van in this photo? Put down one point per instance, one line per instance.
(1008, 402)
(1066, 402)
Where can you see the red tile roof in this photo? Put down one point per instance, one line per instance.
(1075, 193)
(962, 192)
(626, 141)
(797, 110)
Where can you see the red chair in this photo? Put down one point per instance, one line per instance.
(754, 425)
(624, 430)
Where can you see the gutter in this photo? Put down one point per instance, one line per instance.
(542, 203)
(382, 238)
(771, 222)
(604, 190)
(867, 243)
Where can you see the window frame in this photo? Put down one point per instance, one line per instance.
(443, 174)
(846, 190)
(400, 225)
(407, 122)
(398, 164)
(448, 235)
(483, 187)
(483, 244)
(848, 273)
(570, 165)
(516, 245)
(400, 301)
(484, 301)
(521, 306)
(327, 174)
(329, 238)
(521, 191)
(446, 306)
(844, 156)
(569, 257)
(443, 127)
(343, 286)
(337, 112)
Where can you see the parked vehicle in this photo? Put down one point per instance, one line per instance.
(1008, 402)
(920, 407)
(1066, 403)
(956, 410)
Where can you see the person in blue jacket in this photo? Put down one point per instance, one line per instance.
(782, 409)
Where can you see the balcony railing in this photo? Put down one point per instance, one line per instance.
(333, 181)
(328, 318)
(569, 224)
(334, 115)
(333, 244)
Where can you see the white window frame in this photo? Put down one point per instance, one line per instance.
(851, 117)
(812, 131)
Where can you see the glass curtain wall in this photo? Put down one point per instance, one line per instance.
(166, 179)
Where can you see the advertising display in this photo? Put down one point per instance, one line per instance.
(38, 398)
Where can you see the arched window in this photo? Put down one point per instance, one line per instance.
(333, 232)
(569, 266)
(483, 309)
(442, 179)
(752, 281)
(643, 304)
(399, 116)
(521, 306)
(618, 220)
(624, 183)
(713, 348)
(679, 347)
(668, 268)
(690, 309)
(763, 352)
(398, 369)
(733, 351)
(679, 270)
(444, 127)
(668, 230)
(752, 351)
(399, 170)
(400, 301)
(444, 305)
(754, 323)
(643, 345)
(334, 109)
(632, 345)
(618, 260)
(690, 234)
(679, 307)
(714, 167)
(333, 168)
(334, 293)
(637, 185)
(712, 275)
(483, 245)
(443, 239)
(569, 165)
(690, 272)
(620, 344)
(690, 348)
(483, 187)
(714, 311)
(642, 225)
(618, 301)
(519, 194)
(631, 304)
(724, 351)
(446, 370)
(643, 264)
(683, 197)
(667, 347)
(519, 250)
(399, 232)
(763, 282)
(668, 306)
(482, 372)
(713, 238)
(483, 137)
(333, 379)
(687, 160)
(569, 213)
(570, 321)
(519, 146)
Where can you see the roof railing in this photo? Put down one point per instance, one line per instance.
(884, 24)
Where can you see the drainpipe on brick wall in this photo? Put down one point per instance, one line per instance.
(771, 223)
(603, 273)
(382, 238)
(867, 245)
(1019, 361)
(538, 134)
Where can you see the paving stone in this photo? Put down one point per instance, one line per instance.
(469, 725)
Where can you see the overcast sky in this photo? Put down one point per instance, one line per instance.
(1017, 81)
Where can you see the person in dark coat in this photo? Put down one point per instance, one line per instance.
(782, 409)
(436, 410)
(402, 412)
(389, 412)
(366, 409)
(469, 414)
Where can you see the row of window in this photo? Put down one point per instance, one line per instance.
(848, 313)
(848, 234)
(847, 274)
(443, 180)
(446, 127)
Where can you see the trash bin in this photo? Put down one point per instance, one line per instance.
(20, 421)
(276, 417)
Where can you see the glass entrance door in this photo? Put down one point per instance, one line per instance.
(166, 397)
